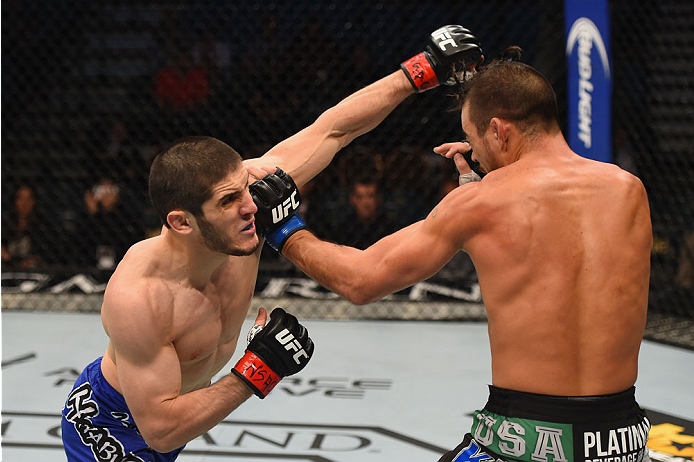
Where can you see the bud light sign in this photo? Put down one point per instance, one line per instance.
(590, 78)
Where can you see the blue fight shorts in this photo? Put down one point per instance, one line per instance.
(517, 426)
(97, 426)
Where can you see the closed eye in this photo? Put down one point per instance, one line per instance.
(228, 199)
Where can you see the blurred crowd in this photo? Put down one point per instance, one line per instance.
(88, 218)
(363, 196)
(82, 207)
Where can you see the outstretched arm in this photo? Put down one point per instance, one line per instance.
(395, 262)
(450, 50)
(308, 152)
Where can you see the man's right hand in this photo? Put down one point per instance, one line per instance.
(278, 200)
(450, 49)
(280, 348)
(461, 153)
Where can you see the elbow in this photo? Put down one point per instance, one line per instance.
(161, 440)
(360, 293)
(361, 300)
(161, 445)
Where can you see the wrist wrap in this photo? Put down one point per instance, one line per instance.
(465, 178)
(257, 375)
(420, 72)
(278, 236)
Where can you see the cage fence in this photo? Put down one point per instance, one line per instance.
(92, 90)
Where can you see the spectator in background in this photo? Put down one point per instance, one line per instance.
(182, 85)
(113, 224)
(323, 199)
(408, 180)
(448, 184)
(120, 157)
(459, 270)
(22, 241)
(182, 93)
(212, 53)
(677, 289)
(366, 220)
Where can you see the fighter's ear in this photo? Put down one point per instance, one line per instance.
(180, 221)
(500, 131)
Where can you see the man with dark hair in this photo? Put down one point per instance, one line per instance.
(21, 238)
(174, 307)
(561, 245)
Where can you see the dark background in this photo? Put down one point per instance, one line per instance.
(85, 100)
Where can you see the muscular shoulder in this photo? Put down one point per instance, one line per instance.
(620, 183)
(464, 212)
(631, 182)
(478, 199)
(132, 304)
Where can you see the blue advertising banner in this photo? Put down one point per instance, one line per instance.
(590, 78)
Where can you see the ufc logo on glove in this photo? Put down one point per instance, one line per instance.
(278, 199)
(290, 343)
(282, 211)
(443, 37)
(274, 351)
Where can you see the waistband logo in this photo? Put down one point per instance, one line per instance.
(614, 442)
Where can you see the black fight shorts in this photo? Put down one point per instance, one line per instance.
(517, 426)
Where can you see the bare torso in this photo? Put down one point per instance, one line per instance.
(203, 324)
(563, 261)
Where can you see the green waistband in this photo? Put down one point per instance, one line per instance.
(523, 439)
(528, 440)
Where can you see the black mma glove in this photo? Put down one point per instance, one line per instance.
(278, 200)
(449, 49)
(279, 349)
(474, 165)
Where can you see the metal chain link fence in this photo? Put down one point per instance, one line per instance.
(653, 128)
(92, 90)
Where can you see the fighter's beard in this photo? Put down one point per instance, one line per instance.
(218, 242)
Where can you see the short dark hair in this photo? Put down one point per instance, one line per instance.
(512, 91)
(183, 173)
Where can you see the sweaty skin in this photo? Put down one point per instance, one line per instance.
(173, 308)
(561, 245)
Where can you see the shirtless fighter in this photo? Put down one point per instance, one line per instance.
(561, 245)
(174, 307)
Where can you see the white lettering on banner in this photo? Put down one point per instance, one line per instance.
(587, 35)
(28, 282)
(84, 282)
(585, 88)
(420, 290)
